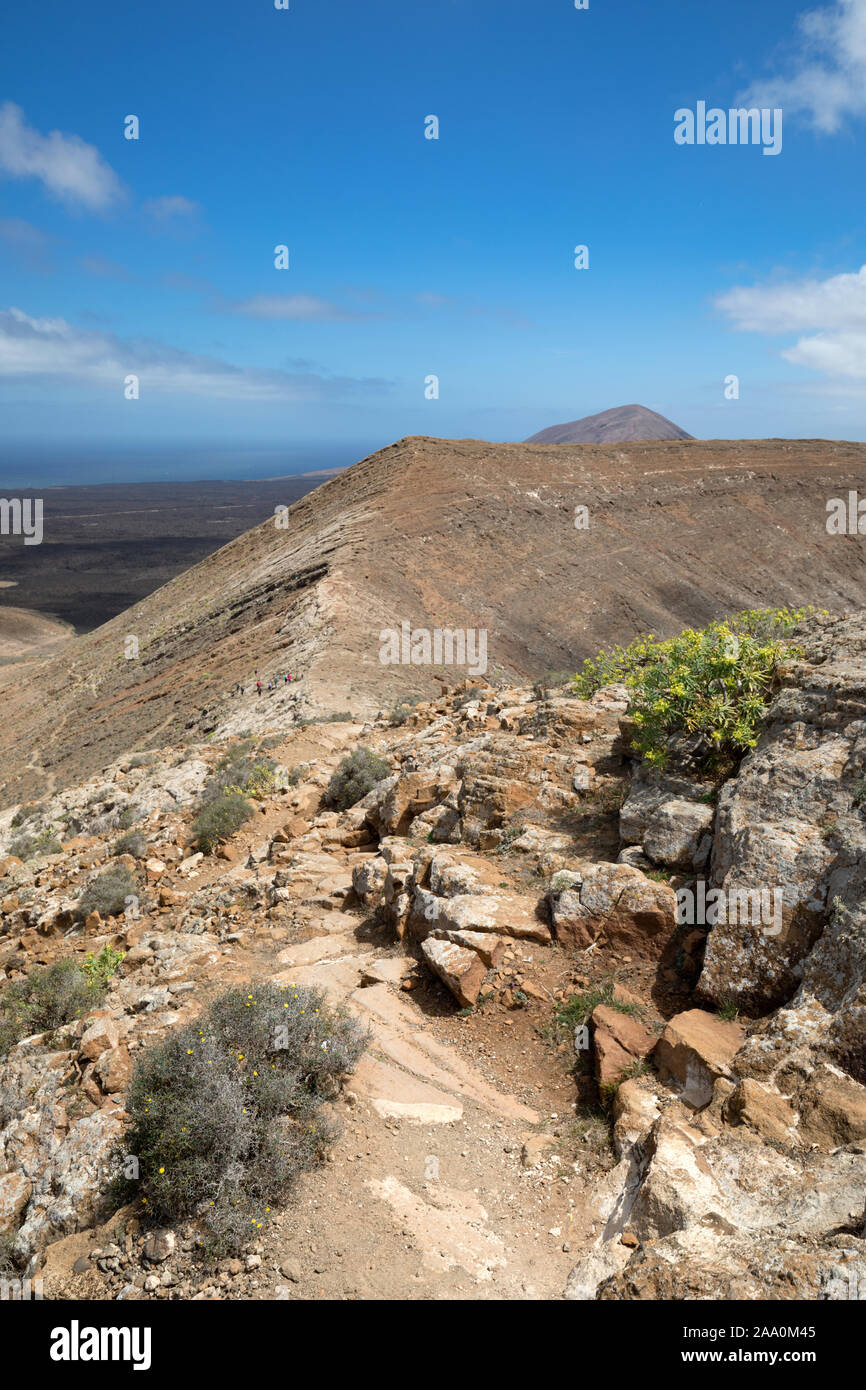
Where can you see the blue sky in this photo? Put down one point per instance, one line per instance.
(412, 257)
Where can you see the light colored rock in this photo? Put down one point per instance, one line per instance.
(463, 972)
(100, 1036)
(368, 880)
(675, 834)
(693, 1051)
(760, 1109)
(506, 915)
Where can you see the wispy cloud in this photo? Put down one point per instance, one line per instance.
(829, 314)
(306, 307)
(66, 166)
(171, 208)
(825, 77)
(52, 350)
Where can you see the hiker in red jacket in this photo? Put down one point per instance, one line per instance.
(258, 687)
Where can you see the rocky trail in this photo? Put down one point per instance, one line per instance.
(566, 1090)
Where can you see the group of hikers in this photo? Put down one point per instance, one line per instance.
(272, 684)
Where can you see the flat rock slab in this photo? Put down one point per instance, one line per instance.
(394, 1094)
(319, 948)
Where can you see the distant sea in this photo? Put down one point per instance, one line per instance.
(29, 466)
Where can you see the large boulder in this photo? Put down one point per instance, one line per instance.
(649, 791)
(791, 821)
(400, 799)
(506, 914)
(677, 834)
(368, 880)
(615, 904)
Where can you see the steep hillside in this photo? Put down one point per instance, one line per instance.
(439, 533)
(623, 424)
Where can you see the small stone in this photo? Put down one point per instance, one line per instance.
(159, 1246)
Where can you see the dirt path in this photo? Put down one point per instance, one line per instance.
(426, 1194)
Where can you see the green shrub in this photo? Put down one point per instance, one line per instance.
(50, 997)
(26, 813)
(31, 846)
(107, 894)
(242, 771)
(99, 969)
(400, 712)
(714, 683)
(133, 843)
(128, 816)
(218, 820)
(357, 775)
(224, 1111)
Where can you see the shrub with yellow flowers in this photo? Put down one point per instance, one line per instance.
(713, 684)
(224, 1113)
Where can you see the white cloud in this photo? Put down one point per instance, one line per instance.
(170, 206)
(833, 304)
(52, 350)
(838, 355)
(66, 165)
(826, 78)
(831, 314)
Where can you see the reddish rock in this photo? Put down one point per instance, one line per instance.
(114, 1069)
(101, 1035)
(696, 1049)
(619, 1041)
